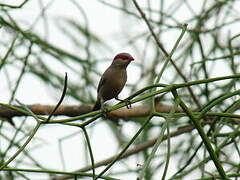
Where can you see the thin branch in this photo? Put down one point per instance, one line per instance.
(61, 99)
(165, 52)
(204, 137)
(130, 152)
(14, 6)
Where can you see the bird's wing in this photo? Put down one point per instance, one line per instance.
(102, 81)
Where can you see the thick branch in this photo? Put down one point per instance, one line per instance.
(74, 110)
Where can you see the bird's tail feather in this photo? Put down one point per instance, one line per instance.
(97, 105)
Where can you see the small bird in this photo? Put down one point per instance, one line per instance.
(113, 80)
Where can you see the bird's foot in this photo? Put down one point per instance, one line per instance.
(126, 101)
(104, 110)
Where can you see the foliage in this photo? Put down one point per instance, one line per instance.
(186, 58)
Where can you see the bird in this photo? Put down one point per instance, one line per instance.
(113, 80)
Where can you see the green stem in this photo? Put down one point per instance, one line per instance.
(184, 28)
(23, 146)
(90, 150)
(125, 148)
(201, 132)
(217, 101)
(157, 144)
(79, 174)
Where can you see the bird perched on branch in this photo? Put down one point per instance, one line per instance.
(113, 80)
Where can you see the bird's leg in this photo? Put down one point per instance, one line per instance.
(103, 107)
(128, 103)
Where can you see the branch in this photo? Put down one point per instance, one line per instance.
(160, 45)
(14, 6)
(74, 110)
(128, 153)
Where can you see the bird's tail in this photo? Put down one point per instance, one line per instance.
(97, 105)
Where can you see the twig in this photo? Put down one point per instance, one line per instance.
(61, 99)
(165, 52)
(201, 132)
(130, 152)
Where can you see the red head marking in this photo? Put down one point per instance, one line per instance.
(124, 56)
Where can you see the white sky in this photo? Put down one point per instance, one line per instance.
(107, 23)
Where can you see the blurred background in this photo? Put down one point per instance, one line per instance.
(40, 40)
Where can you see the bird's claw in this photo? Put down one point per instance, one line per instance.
(104, 110)
(127, 102)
